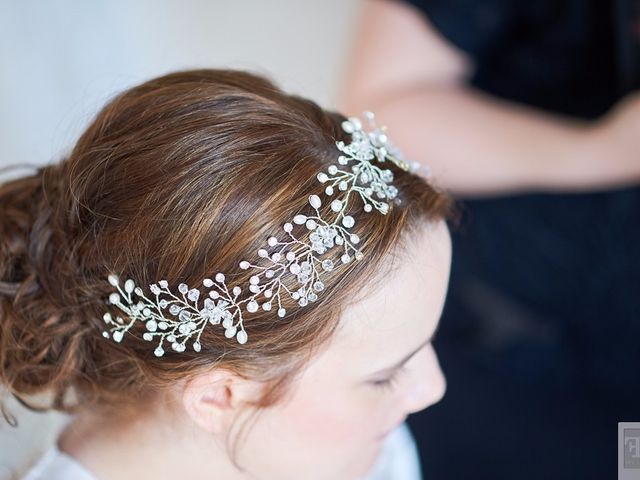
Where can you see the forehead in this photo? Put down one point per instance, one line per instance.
(401, 312)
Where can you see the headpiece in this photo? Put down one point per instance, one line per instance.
(181, 317)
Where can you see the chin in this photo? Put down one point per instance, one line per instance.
(366, 462)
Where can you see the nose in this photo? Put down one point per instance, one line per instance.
(429, 385)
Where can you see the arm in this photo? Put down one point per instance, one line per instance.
(475, 144)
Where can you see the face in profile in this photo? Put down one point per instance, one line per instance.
(379, 367)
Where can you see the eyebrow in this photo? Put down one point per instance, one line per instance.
(408, 357)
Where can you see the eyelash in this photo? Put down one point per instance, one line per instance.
(389, 383)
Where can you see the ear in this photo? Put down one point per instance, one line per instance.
(214, 398)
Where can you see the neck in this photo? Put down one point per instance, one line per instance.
(146, 448)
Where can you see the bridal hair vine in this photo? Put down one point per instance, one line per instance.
(355, 175)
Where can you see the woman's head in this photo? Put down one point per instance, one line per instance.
(181, 177)
(358, 389)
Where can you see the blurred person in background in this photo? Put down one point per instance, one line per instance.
(528, 113)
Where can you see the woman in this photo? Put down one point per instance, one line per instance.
(296, 268)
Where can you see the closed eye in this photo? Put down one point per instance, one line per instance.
(389, 382)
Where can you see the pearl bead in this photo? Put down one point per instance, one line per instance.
(315, 202)
(348, 221)
(294, 268)
(348, 127)
(129, 286)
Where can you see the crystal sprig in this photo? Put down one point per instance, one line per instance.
(180, 318)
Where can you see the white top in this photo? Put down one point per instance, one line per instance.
(398, 461)
(398, 458)
(57, 465)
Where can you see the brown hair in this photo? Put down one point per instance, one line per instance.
(177, 178)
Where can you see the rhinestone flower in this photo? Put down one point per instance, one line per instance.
(179, 319)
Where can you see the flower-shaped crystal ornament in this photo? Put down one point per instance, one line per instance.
(179, 319)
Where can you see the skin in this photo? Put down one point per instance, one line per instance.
(333, 422)
(415, 80)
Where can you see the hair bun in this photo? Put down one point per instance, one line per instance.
(38, 339)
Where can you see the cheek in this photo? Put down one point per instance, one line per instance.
(327, 434)
(345, 417)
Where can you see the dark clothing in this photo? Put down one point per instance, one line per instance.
(540, 337)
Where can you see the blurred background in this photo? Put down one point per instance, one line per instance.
(62, 60)
(527, 112)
